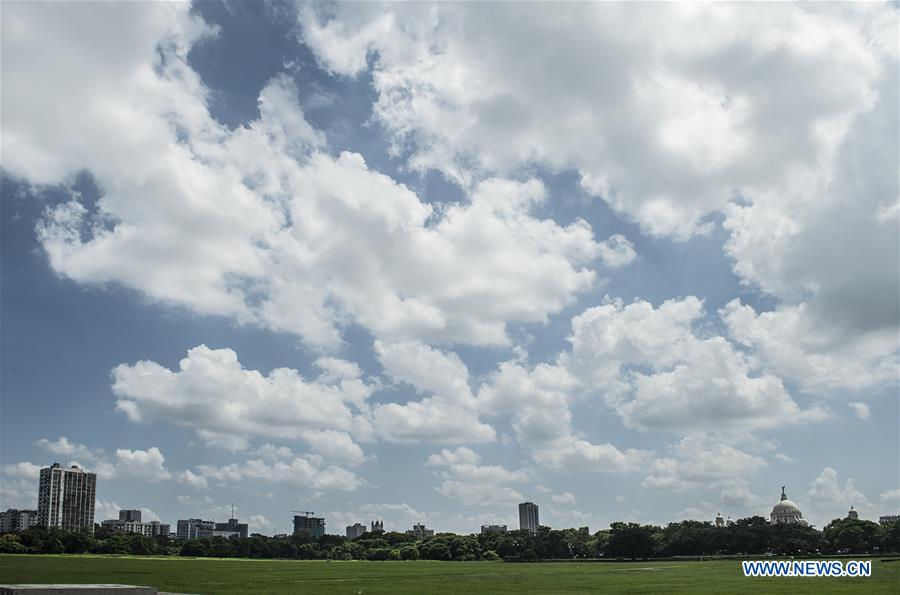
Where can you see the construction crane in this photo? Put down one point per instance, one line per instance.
(306, 512)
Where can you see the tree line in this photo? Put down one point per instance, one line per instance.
(749, 536)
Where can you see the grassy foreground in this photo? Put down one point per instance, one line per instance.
(190, 575)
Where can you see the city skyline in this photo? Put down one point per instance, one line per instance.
(421, 263)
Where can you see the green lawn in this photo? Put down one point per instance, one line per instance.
(188, 575)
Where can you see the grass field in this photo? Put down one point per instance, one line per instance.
(187, 575)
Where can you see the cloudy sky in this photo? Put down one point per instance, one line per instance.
(422, 262)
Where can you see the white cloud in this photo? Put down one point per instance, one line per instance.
(259, 522)
(460, 456)
(306, 472)
(704, 461)
(106, 509)
(190, 478)
(564, 498)
(267, 229)
(448, 415)
(463, 479)
(334, 446)
(148, 465)
(616, 251)
(861, 410)
(827, 499)
(657, 372)
(465, 89)
(23, 470)
(213, 394)
(62, 446)
(890, 497)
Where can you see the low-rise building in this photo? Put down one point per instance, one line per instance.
(15, 520)
(888, 519)
(419, 531)
(493, 528)
(189, 528)
(377, 526)
(233, 526)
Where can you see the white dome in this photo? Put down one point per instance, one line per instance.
(785, 506)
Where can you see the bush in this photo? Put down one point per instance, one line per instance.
(490, 555)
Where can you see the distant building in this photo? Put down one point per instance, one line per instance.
(888, 519)
(493, 528)
(315, 526)
(786, 512)
(66, 498)
(419, 531)
(528, 516)
(190, 528)
(151, 529)
(720, 522)
(377, 526)
(232, 526)
(355, 530)
(130, 516)
(15, 520)
(120, 526)
(853, 514)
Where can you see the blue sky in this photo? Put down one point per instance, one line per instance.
(423, 262)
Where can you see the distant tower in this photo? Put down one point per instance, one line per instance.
(720, 522)
(528, 516)
(853, 514)
(377, 526)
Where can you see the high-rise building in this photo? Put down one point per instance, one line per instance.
(66, 498)
(377, 526)
(355, 530)
(493, 528)
(419, 531)
(15, 520)
(130, 516)
(314, 526)
(189, 528)
(528, 516)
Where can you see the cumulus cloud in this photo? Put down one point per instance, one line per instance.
(301, 472)
(654, 369)
(148, 465)
(703, 461)
(447, 414)
(256, 223)
(616, 251)
(827, 499)
(212, 393)
(463, 479)
(464, 89)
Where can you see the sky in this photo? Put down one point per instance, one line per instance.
(422, 262)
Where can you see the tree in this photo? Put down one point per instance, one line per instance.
(489, 555)
(631, 540)
(409, 552)
(851, 535)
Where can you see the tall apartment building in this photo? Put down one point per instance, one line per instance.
(355, 530)
(66, 498)
(528, 516)
(15, 520)
(315, 526)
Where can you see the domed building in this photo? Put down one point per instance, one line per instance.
(786, 511)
